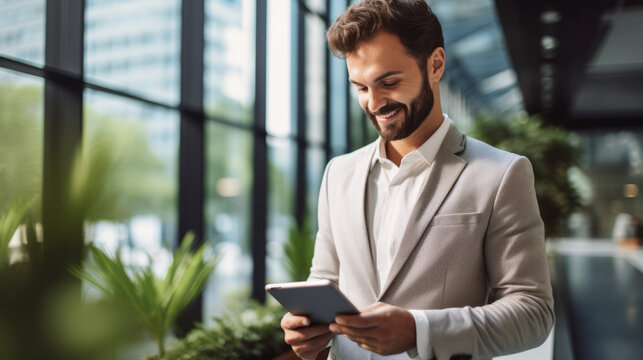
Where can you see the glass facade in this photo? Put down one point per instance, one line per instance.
(22, 30)
(134, 46)
(228, 185)
(281, 201)
(229, 59)
(136, 146)
(21, 138)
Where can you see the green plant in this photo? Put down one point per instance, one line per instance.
(552, 153)
(298, 252)
(9, 222)
(155, 303)
(253, 333)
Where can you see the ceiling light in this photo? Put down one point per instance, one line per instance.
(630, 190)
(550, 17)
(548, 42)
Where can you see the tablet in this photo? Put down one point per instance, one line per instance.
(320, 300)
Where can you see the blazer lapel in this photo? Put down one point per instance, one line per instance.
(444, 172)
(356, 202)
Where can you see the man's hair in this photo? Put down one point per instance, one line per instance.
(412, 21)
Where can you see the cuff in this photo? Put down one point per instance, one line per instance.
(422, 335)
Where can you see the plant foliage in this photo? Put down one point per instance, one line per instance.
(9, 222)
(154, 303)
(552, 153)
(251, 334)
(299, 251)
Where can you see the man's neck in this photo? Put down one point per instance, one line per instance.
(396, 150)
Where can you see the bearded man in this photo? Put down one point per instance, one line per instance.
(436, 237)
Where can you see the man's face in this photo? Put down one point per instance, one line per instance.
(392, 89)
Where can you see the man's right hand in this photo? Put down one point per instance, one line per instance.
(306, 341)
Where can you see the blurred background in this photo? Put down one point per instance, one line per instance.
(219, 116)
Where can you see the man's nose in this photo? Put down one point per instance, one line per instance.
(375, 101)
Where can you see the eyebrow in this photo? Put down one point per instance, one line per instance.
(385, 75)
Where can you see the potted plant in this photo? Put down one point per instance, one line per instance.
(251, 333)
(154, 302)
(552, 153)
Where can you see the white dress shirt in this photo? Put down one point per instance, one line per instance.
(391, 196)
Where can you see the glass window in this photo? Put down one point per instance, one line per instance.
(357, 121)
(134, 46)
(315, 79)
(317, 6)
(135, 146)
(316, 163)
(21, 140)
(228, 182)
(338, 113)
(281, 193)
(22, 30)
(280, 67)
(229, 59)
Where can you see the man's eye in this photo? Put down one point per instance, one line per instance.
(389, 84)
(361, 89)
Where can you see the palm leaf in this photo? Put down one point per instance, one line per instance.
(299, 252)
(9, 222)
(154, 303)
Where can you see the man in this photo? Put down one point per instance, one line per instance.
(435, 236)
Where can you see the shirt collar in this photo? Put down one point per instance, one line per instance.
(428, 150)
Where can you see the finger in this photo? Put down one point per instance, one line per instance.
(290, 321)
(363, 320)
(294, 336)
(311, 347)
(364, 343)
(373, 307)
(348, 330)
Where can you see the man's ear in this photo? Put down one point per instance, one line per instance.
(435, 65)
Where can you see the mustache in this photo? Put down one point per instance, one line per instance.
(387, 109)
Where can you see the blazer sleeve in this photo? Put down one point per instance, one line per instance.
(519, 314)
(325, 263)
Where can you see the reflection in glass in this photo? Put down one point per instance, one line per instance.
(281, 193)
(229, 59)
(279, 92)
(134, 45)
(315, 79)
(228, 186)
(22, 30)
(21, 141)
(131, 149)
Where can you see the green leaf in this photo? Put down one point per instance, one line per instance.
(154, 303)
(9, 222)
(299, 251)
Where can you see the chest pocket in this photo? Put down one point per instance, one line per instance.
(456, 219)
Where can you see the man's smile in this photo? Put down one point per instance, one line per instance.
(388, 117)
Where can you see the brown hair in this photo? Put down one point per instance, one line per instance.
(412, 21)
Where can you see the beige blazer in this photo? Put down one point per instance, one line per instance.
(473, 255)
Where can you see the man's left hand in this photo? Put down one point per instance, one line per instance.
(381, 328)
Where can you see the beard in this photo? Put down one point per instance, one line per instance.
(419, 110)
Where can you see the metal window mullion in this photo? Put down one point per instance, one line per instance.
(192, 144)
(327, 146)
(301, 98)
(260, 160)
(63, 118)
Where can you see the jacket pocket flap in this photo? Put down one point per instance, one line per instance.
(456, 219)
